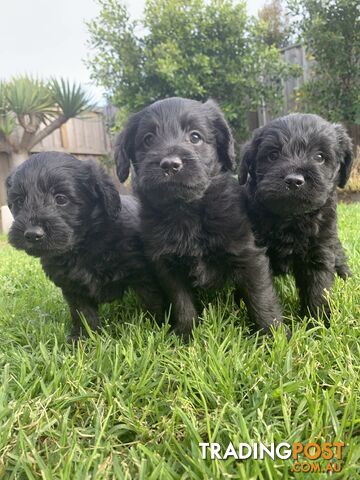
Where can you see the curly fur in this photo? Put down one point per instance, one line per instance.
(291, 168)
(91, 246)
(194, 228)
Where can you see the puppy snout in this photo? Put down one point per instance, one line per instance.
(34, 234)
(171, 165)
(294, 181)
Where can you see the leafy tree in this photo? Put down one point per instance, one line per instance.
(331, 33)
(31, 109)
(192, 48)
(275, 24)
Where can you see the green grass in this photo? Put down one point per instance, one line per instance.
(134, 402)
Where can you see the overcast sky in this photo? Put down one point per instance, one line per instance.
(48, 37)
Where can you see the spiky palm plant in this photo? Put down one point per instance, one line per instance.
(31, 109)
(7, 118)
(70, 98)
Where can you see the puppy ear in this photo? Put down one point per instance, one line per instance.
(345, 154)
(224, 138)
(248, 156)
(125, 147)
(9, 180)
(8, 185)
(105, 190)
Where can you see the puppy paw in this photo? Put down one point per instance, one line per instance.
(185, 334)
(73, 338)
(343, 271)
(75, 335)
(279, 325)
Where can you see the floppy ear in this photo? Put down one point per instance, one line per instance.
(9, 180)
(248, 156)
(105, 190)
(224, 138)
(8, 185)
(125, 147)
(345, 154)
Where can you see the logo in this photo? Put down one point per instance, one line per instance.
(307, 458)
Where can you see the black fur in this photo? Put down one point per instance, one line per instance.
(291, 168)
(193, 226)
(89, 246)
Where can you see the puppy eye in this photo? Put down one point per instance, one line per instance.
(19, 202)
(319, 158)
(195, 137)
(61, 200)
(149, 139)
(273, 156)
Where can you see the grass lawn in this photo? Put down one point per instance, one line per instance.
(134, 402)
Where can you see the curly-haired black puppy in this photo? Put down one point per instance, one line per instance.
(69, 213)
(193, 226)
(292, 167)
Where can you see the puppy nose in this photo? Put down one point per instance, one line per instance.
(294, 181)
(34, 234)
(171, 165)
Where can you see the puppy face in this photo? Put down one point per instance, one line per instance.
(55, 200)
(176, 146)
(295, 162)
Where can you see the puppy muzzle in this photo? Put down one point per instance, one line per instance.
(34, 234)
(294, 181)
(171, 165)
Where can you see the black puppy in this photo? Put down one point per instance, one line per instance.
(67, 212)
(292, 167)
(193, 226)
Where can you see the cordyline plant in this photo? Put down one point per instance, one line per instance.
(31, 109)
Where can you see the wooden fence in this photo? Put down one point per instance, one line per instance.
(84, 136)
(354, 132)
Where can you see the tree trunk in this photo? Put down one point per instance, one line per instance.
(16, 158)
